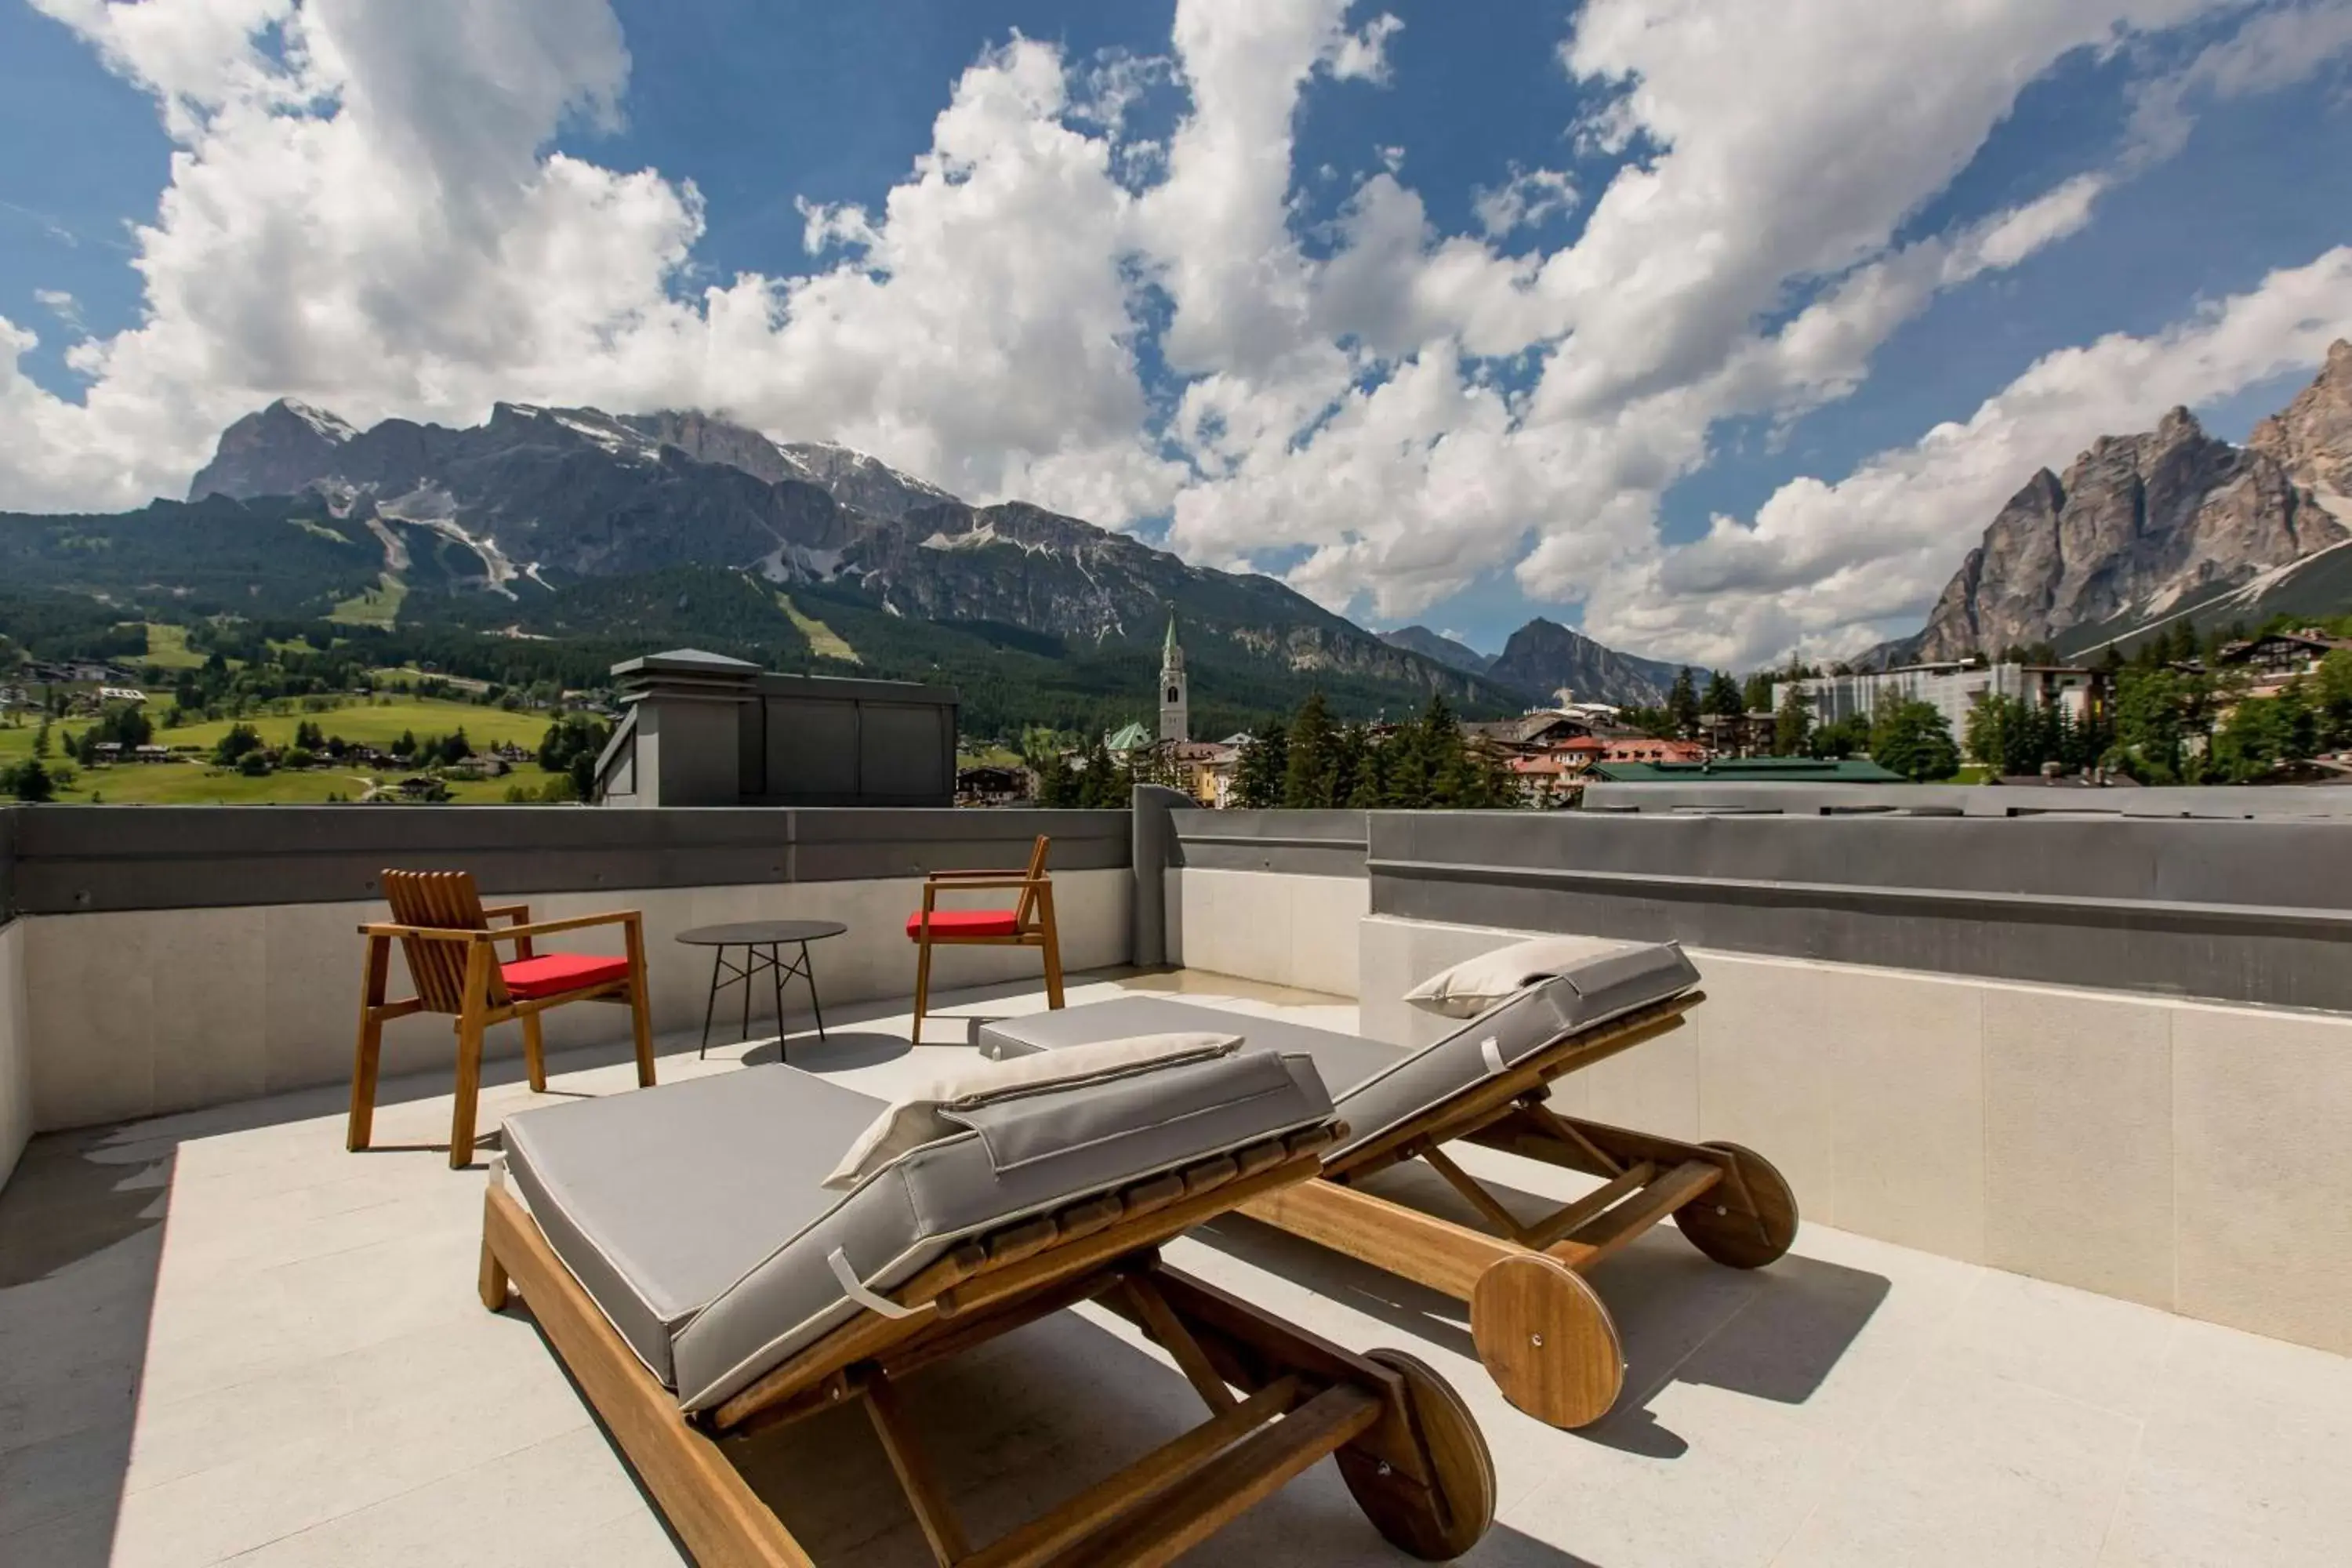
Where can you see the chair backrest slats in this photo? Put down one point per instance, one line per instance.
(1028, 909)
(439, 901)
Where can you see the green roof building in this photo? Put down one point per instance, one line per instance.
(1130, 738)
(1746, 770)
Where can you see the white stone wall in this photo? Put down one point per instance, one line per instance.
(2191, 1156)
(16, 1052)
(141, 1013)
(1283, 930)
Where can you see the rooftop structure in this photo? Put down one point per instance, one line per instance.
(704, 730)
(1748, 770)
(2066, 1104)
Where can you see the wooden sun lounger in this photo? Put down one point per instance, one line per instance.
(1279, 1399)
(1541, 1330)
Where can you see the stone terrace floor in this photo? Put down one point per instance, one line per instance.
(224, 1339)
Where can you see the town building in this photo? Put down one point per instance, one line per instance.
(1951, 688)
(1750, 734)
(991, 784)
(1649, 749)
(1530, 734)
(2278, 655)
(1175, 707)
(1127, 739)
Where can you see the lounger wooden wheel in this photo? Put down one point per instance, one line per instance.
(1439, 1523)
(1740, 1234)
(1546, 1341)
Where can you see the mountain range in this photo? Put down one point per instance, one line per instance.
(598, 531)
(1543, 658)
(2144, 530)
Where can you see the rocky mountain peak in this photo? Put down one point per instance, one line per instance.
(2311, 439)
(275, 450)
(1543, 657)
(2139, 524)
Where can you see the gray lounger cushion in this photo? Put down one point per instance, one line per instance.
(1378, 1087)
(692, 1215)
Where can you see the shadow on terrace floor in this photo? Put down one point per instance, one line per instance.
(1774, 1333)
(85, 1216)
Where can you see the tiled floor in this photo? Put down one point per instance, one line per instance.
(223, 1339)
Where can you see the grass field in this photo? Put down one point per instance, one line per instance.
(823, 641)
(185, 784)
(378, 724)
(376, 607)
(167, 648)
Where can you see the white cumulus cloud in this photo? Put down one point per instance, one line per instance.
(363, 211)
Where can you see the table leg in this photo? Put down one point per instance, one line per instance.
(808, 973)
(776, 974)
(749, 952)
(712, 1004)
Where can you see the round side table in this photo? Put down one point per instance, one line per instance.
(762, 942)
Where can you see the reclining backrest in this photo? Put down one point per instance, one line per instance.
(1023, 1156)
(1580, 998)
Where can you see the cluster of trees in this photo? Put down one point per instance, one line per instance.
(2169, 726)
(1097, 780)
(1315, 760)
(2012, 736)
(1312, 759)
(1686, 712)
(570, 748)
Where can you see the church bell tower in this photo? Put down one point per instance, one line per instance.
(1175, 710)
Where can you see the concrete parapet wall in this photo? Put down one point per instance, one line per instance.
(1293, 928)
(139, 1012)
(2188, 1155)
(2235, 912)
(16, 1049)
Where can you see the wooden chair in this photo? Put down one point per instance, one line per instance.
(1029, 923)
(446, 933)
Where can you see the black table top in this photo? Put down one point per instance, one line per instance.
(760, 933)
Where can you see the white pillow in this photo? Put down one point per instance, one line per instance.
(908, 1124)
(1475, 984)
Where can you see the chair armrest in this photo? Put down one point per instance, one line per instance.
(575, 923)
(998, 879)
(1021, 872)
(428, 933)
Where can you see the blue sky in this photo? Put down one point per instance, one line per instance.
(1623, 430)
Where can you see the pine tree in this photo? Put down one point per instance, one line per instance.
(1103, 786)
(1681, 703)
(1258, 772)
(31, 782)
(1792, 726)
(1723, 698)
(1309, 771)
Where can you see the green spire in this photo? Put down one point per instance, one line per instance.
(1168, 650)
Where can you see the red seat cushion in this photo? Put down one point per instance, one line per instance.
(551, 972)
(952, 923)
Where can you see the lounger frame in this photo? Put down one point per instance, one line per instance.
(1405, 1445)
(1541, 1331)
